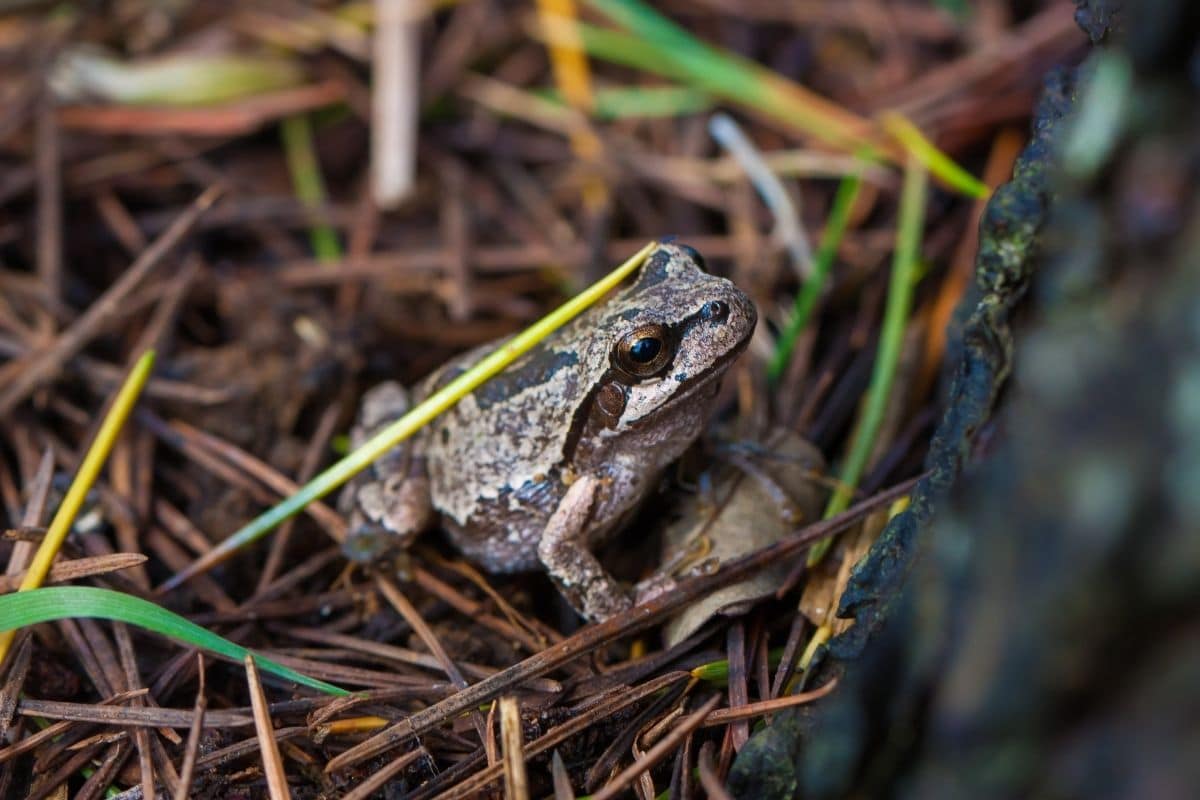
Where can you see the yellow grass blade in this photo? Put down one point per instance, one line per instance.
(89, 470)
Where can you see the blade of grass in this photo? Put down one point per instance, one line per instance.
(736, 78)
(574, 80)
(89, 470)
(810, 293)
(567, 59)
(305, 170)
(895, 318)
(656, 44)
(641, 102)
(933, 159)
(401, 429)
(609, 45)
(718, 671)
(73, 602)
(177, 80)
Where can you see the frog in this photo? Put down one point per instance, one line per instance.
(545, 462)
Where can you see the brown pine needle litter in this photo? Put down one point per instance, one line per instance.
(272, 761)
(289, 204)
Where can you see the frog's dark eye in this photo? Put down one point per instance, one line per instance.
(714, 311)
(643, 351)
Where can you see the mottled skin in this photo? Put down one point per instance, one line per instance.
(544, 461)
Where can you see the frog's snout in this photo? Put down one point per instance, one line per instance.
(742, 316)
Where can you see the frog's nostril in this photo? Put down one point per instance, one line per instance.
(714, 311)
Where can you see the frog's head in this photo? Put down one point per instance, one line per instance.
(670, 337)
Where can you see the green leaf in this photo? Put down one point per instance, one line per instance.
(905, 262)
(68, 602)
(178, 80)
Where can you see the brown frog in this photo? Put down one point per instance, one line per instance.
(546, 460)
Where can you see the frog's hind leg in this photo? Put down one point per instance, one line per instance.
(563, 549)
(388, 504)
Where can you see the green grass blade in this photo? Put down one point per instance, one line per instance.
(644, 102)
(654, 43)
(937, 162)
(810, 293)
(636, 15)
(891, 339)
(67, 602)
(178, 80)
(625, 48)
(308, 183)
(718, 671)
(81, 484)
(728, 75)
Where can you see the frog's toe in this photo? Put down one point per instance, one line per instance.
(406, 508)
(367, 542)
(653, 587)
(603, 599)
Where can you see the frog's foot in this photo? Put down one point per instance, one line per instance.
(788, 469)
(374, 546)
(388, 504)
(653, 587)
(387, 516)
(563, 550)
(366, 543)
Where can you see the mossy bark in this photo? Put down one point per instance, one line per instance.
(1029, 630)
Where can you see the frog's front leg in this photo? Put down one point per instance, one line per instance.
(389, 503)
(563, 550)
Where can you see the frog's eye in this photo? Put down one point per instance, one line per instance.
(643, 351)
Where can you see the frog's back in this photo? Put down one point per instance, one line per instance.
(495, 459)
